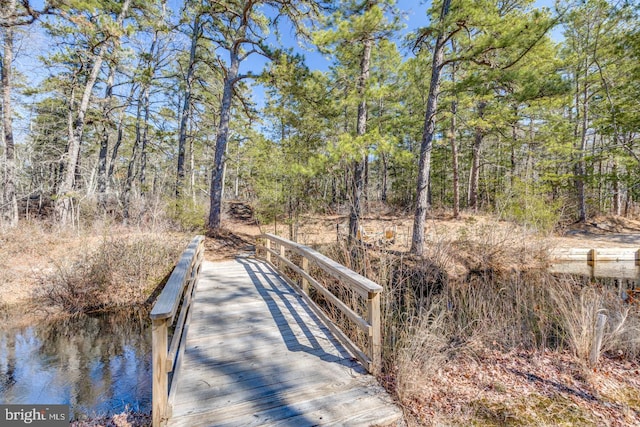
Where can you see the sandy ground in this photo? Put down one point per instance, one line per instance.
(33, 251)
(601, 232)
(28, 254)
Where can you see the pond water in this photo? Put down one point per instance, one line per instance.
(100, 365)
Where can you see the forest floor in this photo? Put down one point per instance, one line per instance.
(32, 251)
(599, 232)
(488, 387)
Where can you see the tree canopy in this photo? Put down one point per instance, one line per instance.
(119, 107)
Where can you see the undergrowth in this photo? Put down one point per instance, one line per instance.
(122, 271)
(475, 295)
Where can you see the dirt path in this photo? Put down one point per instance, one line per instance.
(601, 232)
(588, 239)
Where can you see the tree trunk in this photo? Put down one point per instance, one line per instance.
(192, 171)
(358, 183)
(236, 185)
(454, 160)
(424, 165)
(147, 112)
(64, 201)
(10, 202)
(514, 139)
(119, 138)
(580, 168)
(145, 141)
(104, 143)
(186, 107)
(617, 196)
(474, 176)
(217, 177)
(582, 119)
(131, 168)
(385, 177)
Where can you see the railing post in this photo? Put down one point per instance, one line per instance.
(282, 254)
(305, 282)
(268, 246)
(375, 340)
(597, 339)
(160, 391)
(591, 261)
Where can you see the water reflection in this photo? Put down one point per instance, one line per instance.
(619, 270)
(97, 364)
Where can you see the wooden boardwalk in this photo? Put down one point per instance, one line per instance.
(257, 355)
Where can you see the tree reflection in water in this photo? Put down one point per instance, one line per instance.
(100, 365)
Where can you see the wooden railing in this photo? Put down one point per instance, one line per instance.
(365, 288)
(177, 293)
(619, 263)
(592, 256)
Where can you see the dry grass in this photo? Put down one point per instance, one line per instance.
(578, 310)
(29, 250)
(121, 271)
(479, 333)
(106, 266)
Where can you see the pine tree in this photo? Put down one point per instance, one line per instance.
(240, 28)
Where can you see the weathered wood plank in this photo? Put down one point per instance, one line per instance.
(160, 380)
(619, 270)
(309, 412)
(167, 303)
(236, 370)
(601, 254)
(236, 412)
(352, 315)
(360, 283)
(232, 372)
(230, 367)
(238, 406)
(162, 316)
(260, 383)
(336, 413)
(179, 329)
(246, 348)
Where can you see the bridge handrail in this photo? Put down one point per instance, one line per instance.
(178, 289)
(367, 289)
(593, 255)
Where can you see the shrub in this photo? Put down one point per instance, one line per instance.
(187, 215)
(120, 272)
(529, 206)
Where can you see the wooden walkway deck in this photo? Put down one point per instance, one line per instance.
(257, 355)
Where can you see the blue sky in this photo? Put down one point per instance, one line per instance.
(30, 46)
(414, 15)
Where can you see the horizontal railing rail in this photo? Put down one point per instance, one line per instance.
(175, 299)
(594, 255)
(365, 288)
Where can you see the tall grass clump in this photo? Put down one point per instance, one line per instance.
(484, 291)
(122, 271)
(578, 310)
